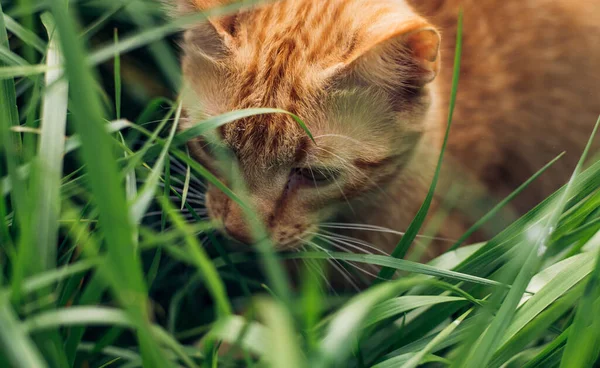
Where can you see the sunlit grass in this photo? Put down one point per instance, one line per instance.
(108, 259)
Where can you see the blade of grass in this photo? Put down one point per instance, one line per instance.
(10, 58)
(48, 278)
(28, 22)
(96, 26)
(117, 353)
(396, 264)
(573, 271)
(397, 306)
(117, 75)
(538, 328)
(414, 227)
(47, 180)
(554, 347)
(418, 358)
(22, 71)
(25, 35)
(213, 123)
(284, 349)
(583, 339)
(255, 337)
(186, 184)
(313, 297)
(9, 145)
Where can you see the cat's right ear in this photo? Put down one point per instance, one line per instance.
(399, 54)
(210, 39)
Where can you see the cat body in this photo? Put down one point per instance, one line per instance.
(372, 80)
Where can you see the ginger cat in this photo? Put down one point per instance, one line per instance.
(371, 79)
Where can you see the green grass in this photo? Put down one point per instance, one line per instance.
(107, 258)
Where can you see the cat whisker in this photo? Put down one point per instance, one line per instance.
(335, 264)
(191, 193)
(189, 199)
(348, 250)
(313, 268)
(182, 169)
(374, 228)
(193, 178)
(182, 183)
(356, 242)
(187, 215)
(353, 264)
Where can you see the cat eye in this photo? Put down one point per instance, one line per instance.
(316, 176)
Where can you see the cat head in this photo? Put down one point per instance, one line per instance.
(357, 72)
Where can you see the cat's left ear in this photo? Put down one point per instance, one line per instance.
(212, 38)
(407, 54)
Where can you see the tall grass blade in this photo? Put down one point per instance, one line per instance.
(396, 264)
(572, 271)
(47, 180)
(21, 71)
(117, 77)
(10, 147)
(10, 58)
(397, 306)
(418, 358)
(414, 227)
(24, 34)
(284, 350)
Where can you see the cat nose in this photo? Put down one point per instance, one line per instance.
(235, 226)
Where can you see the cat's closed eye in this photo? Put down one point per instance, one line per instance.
(315, 176)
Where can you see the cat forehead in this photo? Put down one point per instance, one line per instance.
(281, 52)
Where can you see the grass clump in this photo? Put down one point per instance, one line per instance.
(107, 257)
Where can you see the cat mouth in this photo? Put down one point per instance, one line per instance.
(290, 243)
